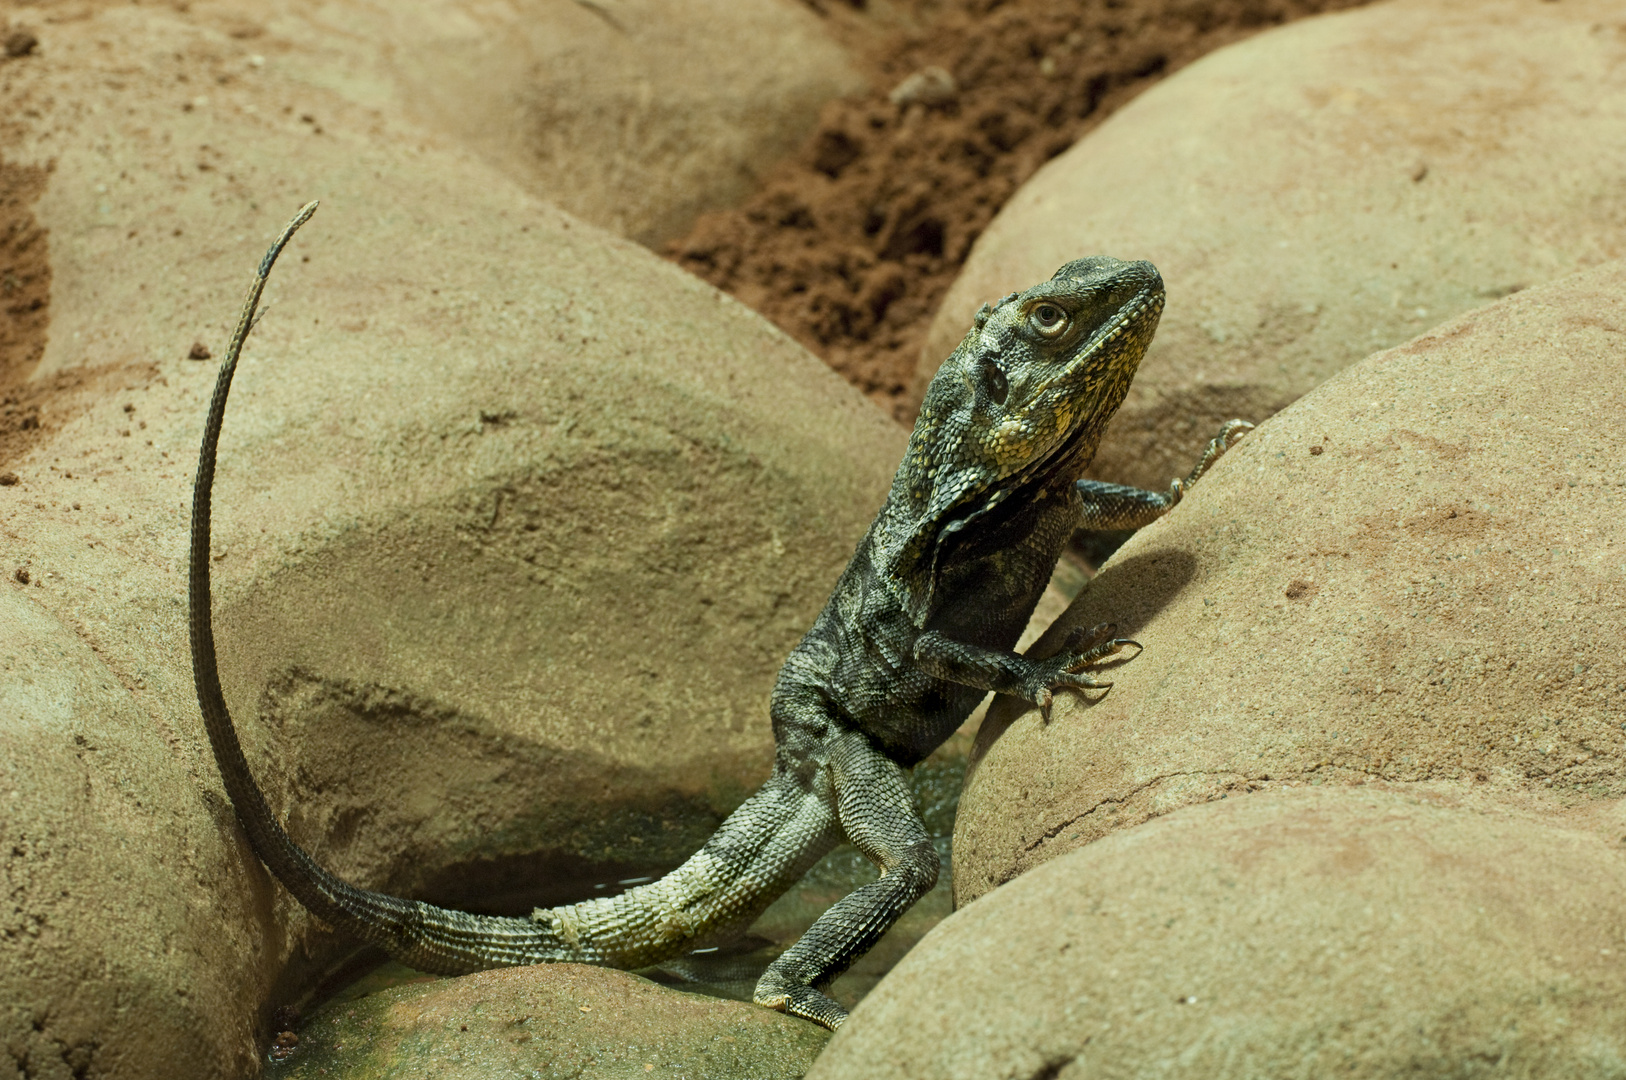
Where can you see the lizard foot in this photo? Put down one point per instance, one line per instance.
(1081, 648)
(1229, 436)
(794, 999)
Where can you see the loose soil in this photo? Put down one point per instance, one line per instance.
(30, 411)
(851, 243)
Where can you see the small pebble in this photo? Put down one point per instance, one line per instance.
(928, 86)
(199, 351)
(283, 1046)
(21, 43)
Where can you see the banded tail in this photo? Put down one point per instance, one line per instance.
(761, 850)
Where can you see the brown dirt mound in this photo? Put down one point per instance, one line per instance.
(852, 242)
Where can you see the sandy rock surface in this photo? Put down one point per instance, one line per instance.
(1322, 191)
(637, 115)
(632, 114)
(514, 525)
(1361, 932)
(133, 919)
(557, 1020)
(1414, 574)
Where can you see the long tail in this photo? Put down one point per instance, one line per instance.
(763, 848)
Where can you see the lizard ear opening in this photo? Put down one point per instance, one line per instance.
(998, 386)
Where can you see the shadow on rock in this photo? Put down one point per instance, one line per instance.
(1130, 593)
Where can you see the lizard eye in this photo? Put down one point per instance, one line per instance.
(1048, 319)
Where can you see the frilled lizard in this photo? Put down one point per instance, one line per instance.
(920, 626)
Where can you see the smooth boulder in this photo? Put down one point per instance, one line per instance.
(1364, 932)
(514, 525)
(133, 916)
(1412, 574)
(636, 115)
(632, 114)
(562, 1020)
(1322, 191)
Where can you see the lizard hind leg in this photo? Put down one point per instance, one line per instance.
(762, 849)
(877, 812)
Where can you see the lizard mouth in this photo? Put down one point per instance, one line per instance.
(1149, 300)
(1135, 313)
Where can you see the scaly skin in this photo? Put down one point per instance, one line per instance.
(920, 626)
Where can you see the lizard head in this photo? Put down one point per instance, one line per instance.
(1021, 404)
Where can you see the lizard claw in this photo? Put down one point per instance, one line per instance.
(1095, 644)
(1233, 431)
(1120, 644)
(1068, 682)
(1228, 437)
(1081, 647)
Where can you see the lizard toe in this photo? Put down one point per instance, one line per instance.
(1233, 431)
(801, 1001)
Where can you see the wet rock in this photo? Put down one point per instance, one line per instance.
(1362, 932)
(1435, 597)
(1322, 191)
(513, 527)
(557, 1020)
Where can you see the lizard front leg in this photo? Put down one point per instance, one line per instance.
(877, 812)
(1005, 672)
(1115, 506)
